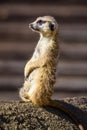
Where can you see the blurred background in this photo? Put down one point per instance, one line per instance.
(17, 43)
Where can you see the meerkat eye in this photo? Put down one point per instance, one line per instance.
(40, 22)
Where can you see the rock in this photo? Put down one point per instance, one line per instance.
(18, 115)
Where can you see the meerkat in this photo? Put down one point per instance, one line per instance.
(40, 70)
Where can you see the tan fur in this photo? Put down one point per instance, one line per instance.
(40, 70)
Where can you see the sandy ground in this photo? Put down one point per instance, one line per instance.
(18, 115)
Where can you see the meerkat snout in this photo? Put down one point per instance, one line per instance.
(34, 27)
(30, 25)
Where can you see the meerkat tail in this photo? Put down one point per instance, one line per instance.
(60, 106)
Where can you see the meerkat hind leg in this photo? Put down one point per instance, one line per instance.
(37, 96)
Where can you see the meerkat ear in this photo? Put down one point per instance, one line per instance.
(52, 26)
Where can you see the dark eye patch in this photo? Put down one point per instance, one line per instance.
(40, 22)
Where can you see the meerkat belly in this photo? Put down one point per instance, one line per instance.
(41, 75)
(41, 81)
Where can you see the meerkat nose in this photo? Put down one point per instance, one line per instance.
(30, 25)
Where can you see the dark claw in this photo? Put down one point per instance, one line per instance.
(27, 76)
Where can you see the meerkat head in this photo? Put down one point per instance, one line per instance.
(45, 25)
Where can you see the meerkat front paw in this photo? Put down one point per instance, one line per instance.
(28, 69)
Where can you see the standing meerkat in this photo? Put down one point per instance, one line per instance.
(40, 70)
